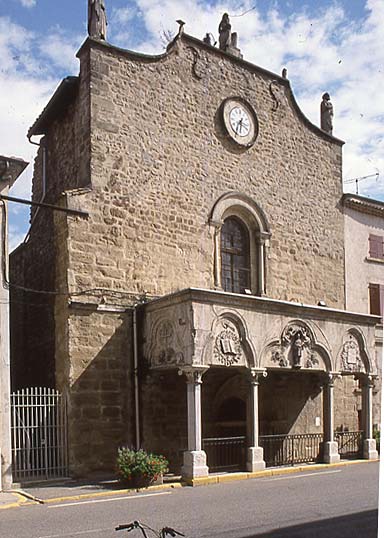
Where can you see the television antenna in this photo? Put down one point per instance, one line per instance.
(357, 180)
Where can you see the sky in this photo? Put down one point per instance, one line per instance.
(327, 46)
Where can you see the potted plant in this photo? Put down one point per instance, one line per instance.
(140, 468)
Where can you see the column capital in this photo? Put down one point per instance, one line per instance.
(255, 375)
(330, 378)
(193, 374)
(369, 380)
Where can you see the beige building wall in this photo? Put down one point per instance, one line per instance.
(360, 269)
(10, 169)
(363, 217)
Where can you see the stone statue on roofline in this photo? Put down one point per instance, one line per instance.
(224, 32)
(326, 114)
(97, 19)
(227, 39)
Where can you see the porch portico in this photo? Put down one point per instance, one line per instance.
(301, 350)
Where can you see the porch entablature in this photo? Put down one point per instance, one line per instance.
(206, 328)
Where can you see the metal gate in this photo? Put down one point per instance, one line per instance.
(39, 434)
(225, 453)
(291, 449)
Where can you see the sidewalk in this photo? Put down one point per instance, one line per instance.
(75, 490)
(71, 490)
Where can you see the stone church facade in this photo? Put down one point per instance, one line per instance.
(206, 276)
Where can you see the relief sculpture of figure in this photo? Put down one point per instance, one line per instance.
(97, 19)
(297, 351)
(326, 114)
(224, 32)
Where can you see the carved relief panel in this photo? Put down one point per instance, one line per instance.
(295, 349)
(166, 346)
(350, 359)
(225, 345)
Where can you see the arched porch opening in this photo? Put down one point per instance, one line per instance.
(225, 429)
(291, 417)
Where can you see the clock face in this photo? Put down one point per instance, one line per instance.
(240, 121)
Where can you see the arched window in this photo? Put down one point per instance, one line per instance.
(241, 240)
(235, 256)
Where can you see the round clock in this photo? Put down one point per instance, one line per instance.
(240, 121)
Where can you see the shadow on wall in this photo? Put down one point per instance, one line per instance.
(101, 399)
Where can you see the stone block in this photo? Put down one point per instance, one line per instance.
(331, 452)
(370, 450)
(255, 461)
(194, 464)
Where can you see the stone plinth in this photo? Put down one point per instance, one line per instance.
(331, 454)
(255, 460)
(195, 464)
(369, 449)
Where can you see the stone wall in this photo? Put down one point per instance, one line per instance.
(160, 160)
(100, 390)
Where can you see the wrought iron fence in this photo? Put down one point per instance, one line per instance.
(225, 453)
(38, 434)
(291, 449)
(350, 444)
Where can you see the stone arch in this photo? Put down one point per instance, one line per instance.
(296, 348)
(353, 356)
(228, 343)
(241, 206)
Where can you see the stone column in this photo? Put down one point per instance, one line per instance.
(330, 447)
(255, 460)
(369, 446)
(217, 252)
(262, 249)
(195, 459)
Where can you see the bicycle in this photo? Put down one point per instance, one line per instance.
(162, 533)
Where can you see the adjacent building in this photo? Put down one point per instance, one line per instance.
(364, 268)
(10, 170)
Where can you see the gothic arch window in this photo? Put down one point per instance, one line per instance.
(242, 235)
(235, 260)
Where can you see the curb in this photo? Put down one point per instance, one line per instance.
(234, 477)
(20, 501)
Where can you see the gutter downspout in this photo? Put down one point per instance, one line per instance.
(44, 179)
(136, 377)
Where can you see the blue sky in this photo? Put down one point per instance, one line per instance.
(333, 46)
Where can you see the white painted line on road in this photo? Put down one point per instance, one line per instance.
(290, 477)
(92, 501)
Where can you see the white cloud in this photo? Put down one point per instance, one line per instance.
(28, 3)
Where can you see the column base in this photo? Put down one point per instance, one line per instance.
(195, 464)
(369, 449)
(331, 452)
(255, 460)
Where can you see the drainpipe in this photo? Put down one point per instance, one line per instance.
(136, 378)
(44, 179)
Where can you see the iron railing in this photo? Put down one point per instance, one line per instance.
(350, 444)
(225, 453)
(291, 449)
(38, 434)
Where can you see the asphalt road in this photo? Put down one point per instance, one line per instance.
(335, 503)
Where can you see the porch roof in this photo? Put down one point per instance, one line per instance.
(261, 304)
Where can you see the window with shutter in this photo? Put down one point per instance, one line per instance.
(376, 247)
(376, 297)
(235, 259)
